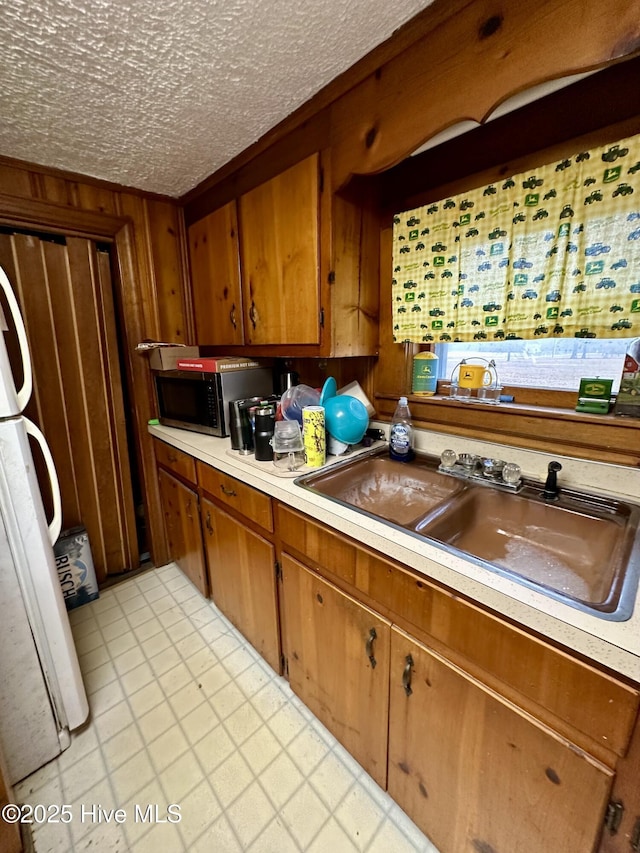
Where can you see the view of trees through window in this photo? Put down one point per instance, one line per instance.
(555, 364)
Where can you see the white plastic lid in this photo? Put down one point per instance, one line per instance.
(403, 401)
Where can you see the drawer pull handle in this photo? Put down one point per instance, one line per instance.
(369, 647)
(228, 492)
(406, 675)
(208, 524)
(232, 315)
(172, 457)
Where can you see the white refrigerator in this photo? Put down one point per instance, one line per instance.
(42, 697)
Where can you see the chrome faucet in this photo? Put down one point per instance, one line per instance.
(551, 491)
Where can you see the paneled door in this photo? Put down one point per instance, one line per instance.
(65, 292)
(338, 656)
(476, 773)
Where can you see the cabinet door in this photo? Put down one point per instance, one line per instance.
(215, 277)
(476, 773)
(242, 577)
(279, 248)
(182, 521)
(338, 656)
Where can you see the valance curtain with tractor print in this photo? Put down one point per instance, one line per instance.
(554, 252)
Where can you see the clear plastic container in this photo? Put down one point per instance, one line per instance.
(287, 436)
(295, 399)
(288, 460)
(288, 449)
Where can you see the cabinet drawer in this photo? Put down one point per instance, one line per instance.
(175, 460)
(254, 505)
(524, 668)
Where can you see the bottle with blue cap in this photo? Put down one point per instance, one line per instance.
(401, 433)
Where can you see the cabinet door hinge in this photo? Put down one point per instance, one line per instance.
(284, 665)
(613, 816)
(331, 278)
(322, 318)
(321, 180)
(278, 569)
(635, 836)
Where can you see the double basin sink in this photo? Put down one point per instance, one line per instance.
(579, 548)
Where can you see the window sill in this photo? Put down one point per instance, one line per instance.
(604, 438)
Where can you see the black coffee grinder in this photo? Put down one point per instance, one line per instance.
(284, 377)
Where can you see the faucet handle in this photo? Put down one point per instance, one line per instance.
(511, 473)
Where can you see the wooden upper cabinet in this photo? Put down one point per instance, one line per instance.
(295, 276)
(215, 277)
(279, 249)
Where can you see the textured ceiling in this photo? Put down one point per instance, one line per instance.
(158, 94)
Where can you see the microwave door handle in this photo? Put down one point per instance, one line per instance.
(27, 385)
(56, 522)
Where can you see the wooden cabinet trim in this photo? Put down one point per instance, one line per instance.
(371, 127)
(529, 670)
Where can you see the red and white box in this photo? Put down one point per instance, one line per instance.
(216, 364)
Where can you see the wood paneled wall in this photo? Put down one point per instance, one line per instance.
(65, 293)
(151, 295)
(456, 60)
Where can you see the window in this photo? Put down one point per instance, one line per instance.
(551, 364)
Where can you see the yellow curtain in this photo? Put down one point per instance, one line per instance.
(554, 252)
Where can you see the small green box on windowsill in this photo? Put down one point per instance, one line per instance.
(594, 396)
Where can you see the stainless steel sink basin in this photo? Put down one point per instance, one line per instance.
(581, 549)
(397, 492)
(576, 548)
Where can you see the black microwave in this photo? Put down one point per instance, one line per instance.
(200, 401)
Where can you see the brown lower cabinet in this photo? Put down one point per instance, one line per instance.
(220, 533)
(491, 739)
(476, 773)
(471, 769)
(242, 579)
(182, 525)
(338, 658)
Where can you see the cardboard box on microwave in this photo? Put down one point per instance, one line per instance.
(166, 358)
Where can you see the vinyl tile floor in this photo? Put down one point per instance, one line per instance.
(187, 721)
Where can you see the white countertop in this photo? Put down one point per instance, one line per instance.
(613, 644)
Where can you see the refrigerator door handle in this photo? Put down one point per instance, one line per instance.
(24, 393)
(56, 522)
